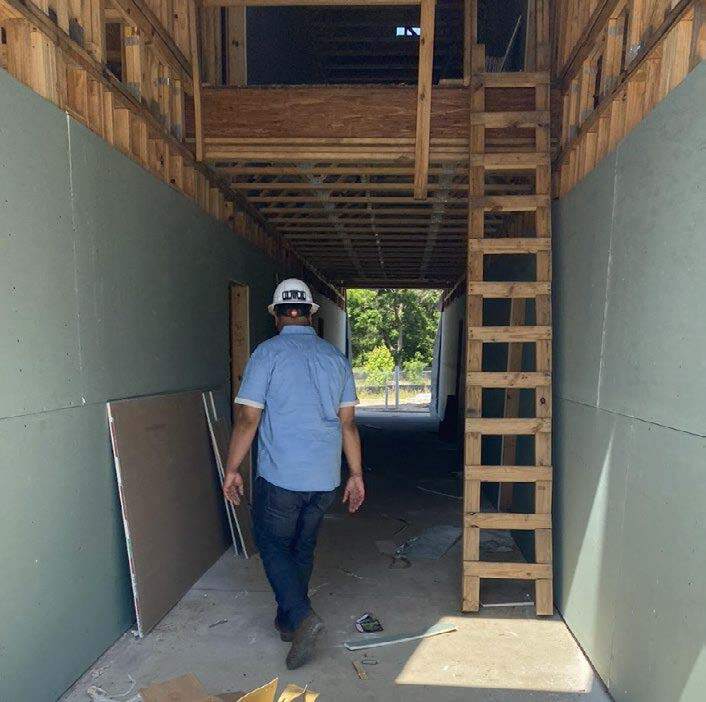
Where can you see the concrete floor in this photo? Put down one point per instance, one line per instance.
(503, 654)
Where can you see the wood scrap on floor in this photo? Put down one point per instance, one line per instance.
(169, 496)
(239, 518)
(360, 672)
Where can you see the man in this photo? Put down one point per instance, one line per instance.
(299, 391)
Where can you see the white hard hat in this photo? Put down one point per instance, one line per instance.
(292, 292)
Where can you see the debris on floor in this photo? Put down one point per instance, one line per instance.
(431, 544)
(368, 624)
(98, 694)
(218, 623)
(439, 492)
(314, 590)
(400, 562)
(188, 688)
(444, 487)
(367, 642)
(351, 573)
(386, 547)
(362, 675)
(403, 522)
(495, 540)
(95, 674)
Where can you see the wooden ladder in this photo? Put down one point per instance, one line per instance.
(477, 426)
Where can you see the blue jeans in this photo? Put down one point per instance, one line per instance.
(285, 525)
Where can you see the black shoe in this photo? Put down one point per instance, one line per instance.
(304, 641)
(284, 634)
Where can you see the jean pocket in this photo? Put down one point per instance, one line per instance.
(282, 501)
(326, 499)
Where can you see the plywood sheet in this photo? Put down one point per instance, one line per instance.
(341, 111)
(170, 497)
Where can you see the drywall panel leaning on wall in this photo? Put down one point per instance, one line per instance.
(170, 498)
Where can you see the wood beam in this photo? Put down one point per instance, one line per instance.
(138, 14)
(292, 114)
(306, 3)
(650, 45)
(236, 39)
(196, 69)
(424, 92)
(586, 42)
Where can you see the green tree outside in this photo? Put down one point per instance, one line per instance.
(404, 322)
(378, 364)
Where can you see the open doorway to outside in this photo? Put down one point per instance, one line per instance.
(393, 341)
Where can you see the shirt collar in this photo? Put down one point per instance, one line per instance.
(297, 329)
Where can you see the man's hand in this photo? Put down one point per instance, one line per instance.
(354, 493)
(233, 487)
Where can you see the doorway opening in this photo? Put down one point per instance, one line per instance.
(394, 345)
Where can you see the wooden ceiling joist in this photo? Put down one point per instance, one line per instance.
(306, 3)
(334, 170)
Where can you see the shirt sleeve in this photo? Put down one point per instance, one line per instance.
(349, 397)
(256, 380)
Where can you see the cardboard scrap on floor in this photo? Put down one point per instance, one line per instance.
(188, 688)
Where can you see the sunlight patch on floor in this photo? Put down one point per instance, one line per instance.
(515, 654)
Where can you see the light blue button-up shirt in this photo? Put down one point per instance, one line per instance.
(300, 382)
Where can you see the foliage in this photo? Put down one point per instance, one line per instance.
(403, 321)
(414, 369)
(378, 365)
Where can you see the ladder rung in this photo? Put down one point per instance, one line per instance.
(508, 245)
(503, 426)
(509, 289)
(507, 520)
(509, 474)
(506, 120)
(515, 571)
(509, 333)
(519, 79)
(510, 203)
(510, 161)
(517, 379)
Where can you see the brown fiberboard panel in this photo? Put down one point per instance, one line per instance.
(170, 498)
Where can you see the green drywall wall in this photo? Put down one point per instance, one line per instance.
(630, 421)
(114, 285)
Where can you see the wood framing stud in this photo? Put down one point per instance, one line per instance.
(424, 95)
(196, 68)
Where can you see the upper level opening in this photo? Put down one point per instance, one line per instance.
(349, 45)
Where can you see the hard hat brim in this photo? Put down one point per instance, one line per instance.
(313, 305)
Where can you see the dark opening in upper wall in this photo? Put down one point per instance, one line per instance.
(348, 45)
